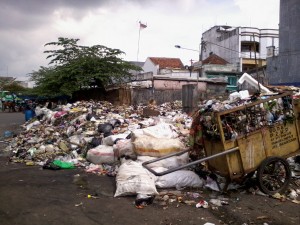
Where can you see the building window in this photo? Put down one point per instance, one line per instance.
(232, 81)
(249, 47)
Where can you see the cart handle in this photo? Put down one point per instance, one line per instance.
(187, 165)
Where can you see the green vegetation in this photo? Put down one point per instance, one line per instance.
(14, 87)
(74, 67)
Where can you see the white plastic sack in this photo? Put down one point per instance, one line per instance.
(161, 130)
(244, 94)
(124, 148)
(111, 139)
(179, 179)
(38, 111)
(133, 178)
(157, 147)
(81, 119)
(101, 154)
(76, 140)
(234, 96)
(169, 163)
(35, 123)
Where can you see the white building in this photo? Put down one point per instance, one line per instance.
(240, 45)
(172, 67)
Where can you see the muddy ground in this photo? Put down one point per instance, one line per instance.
(30, 195)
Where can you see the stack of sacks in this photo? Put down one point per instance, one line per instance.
(156, 141)
(148, 144)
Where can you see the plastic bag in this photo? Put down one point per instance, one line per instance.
(101, 154)
(124, 148)
(157, 147)
(105, 128)
(179, 179)
(169, 163)
(76, 140)
(63, 165)
(96, 142)
(35, 123)
(112, 138)
(133, 178)
(161, 130)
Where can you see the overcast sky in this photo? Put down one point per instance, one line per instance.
(26, 25)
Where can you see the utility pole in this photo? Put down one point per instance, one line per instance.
(257, 77)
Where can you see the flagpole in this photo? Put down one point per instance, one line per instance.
(138, 50)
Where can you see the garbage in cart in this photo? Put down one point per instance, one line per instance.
(241, 136)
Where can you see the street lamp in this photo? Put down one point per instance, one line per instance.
(178, 46)
(192, 104)
(200, 51)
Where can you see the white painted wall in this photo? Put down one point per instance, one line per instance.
(149, 66)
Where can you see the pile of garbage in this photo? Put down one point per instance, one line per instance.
(74, 129)
(99, 135)
(115, 140)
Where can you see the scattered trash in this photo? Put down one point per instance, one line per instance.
(218, 202)
(190, 202)
(296, 201)
(262, 217)
(63, 165)
(30, 163)
(80, 204)
(202, 204)
(143, 200)
(293, 195)
(80, 181)
(92, 196)
(279, 196)
(8, 134)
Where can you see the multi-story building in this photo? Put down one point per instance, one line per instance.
(244, 47)
(284, 68)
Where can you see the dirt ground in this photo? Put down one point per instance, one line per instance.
(30, 195)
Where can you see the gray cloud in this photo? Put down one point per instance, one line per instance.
(29, 14)
(26, 25)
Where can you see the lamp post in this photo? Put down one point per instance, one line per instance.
(200, 51)
(190, 103)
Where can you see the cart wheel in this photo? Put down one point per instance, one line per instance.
(273, 175)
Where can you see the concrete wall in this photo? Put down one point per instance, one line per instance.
(176, 85)
(222, 39)
(285, 68)
(143, 95)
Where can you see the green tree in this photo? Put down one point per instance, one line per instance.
(14, 87)
(74, 67)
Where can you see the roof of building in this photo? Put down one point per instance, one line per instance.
(214, 59)
(174, 63)
(137, 63)
(5, 78)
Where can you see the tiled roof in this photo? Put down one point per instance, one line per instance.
(167, 62)
(214, 59)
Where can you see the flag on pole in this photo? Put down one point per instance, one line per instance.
(142, 26)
